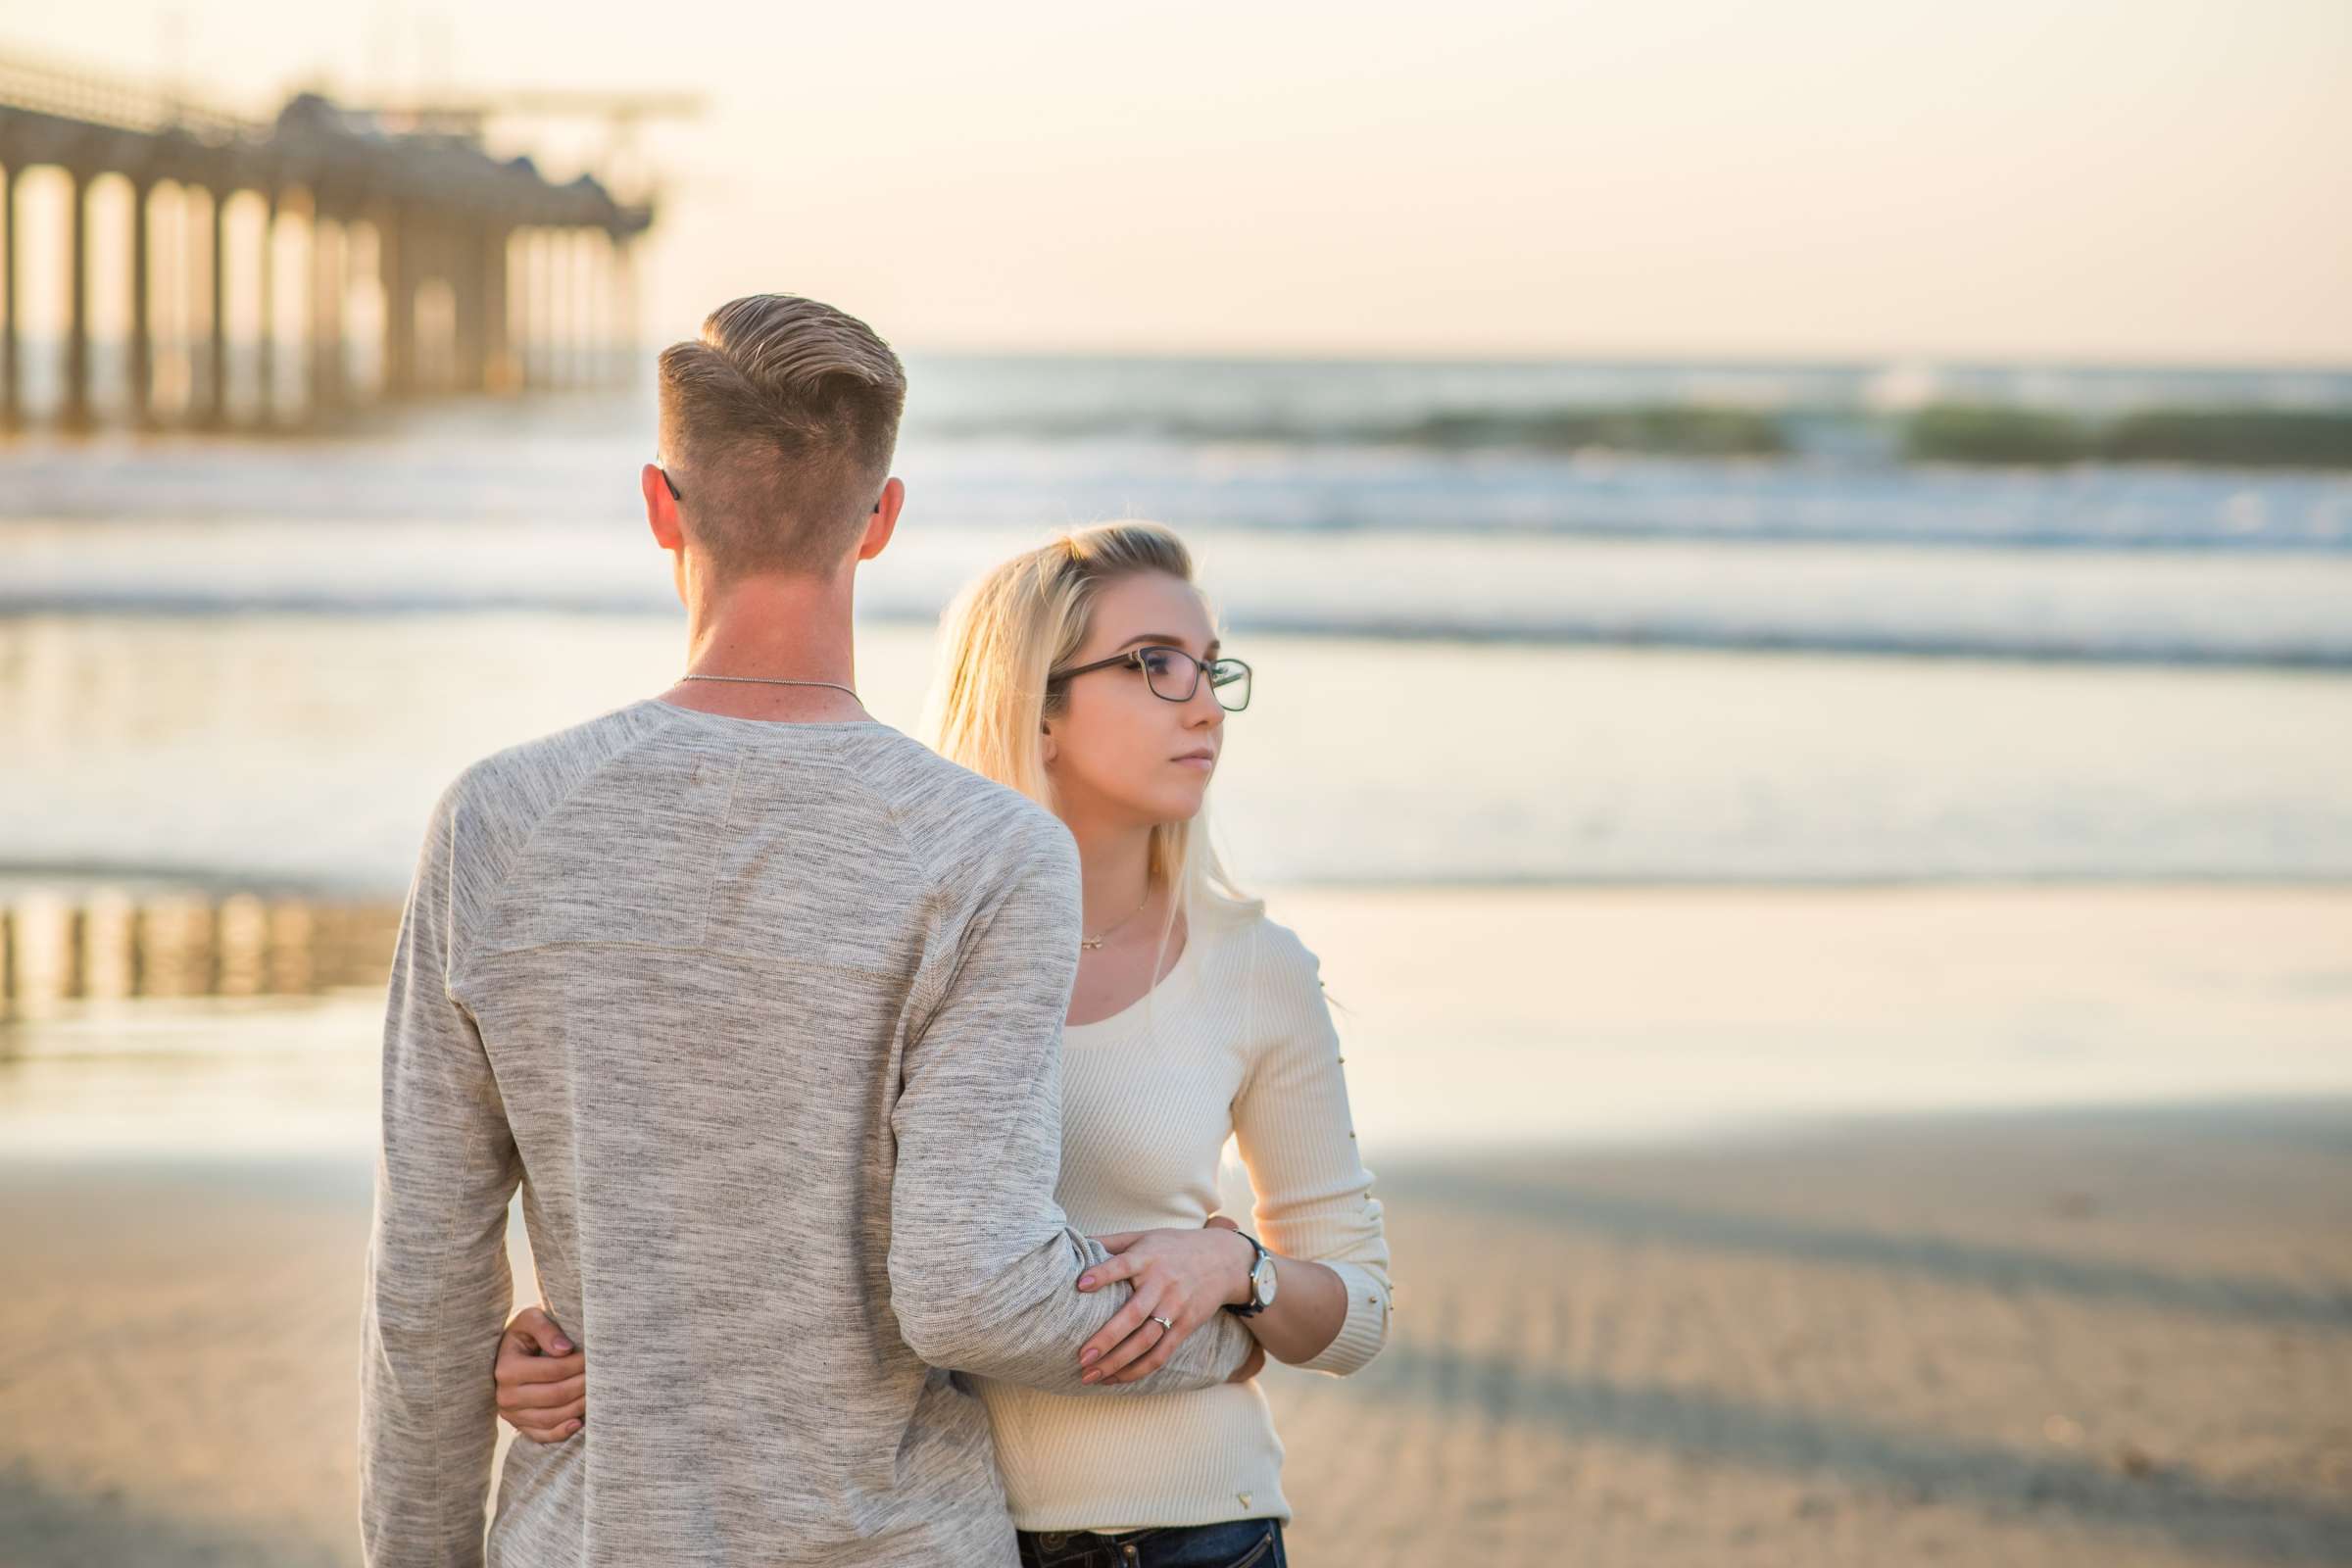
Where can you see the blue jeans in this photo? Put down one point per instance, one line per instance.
(1234, 1543)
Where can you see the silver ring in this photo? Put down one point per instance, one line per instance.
(1161, 1321)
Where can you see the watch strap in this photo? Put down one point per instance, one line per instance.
(1250, 1307)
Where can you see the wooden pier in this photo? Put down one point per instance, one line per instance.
(220, 273)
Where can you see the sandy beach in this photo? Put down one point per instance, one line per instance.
(2072, 1337)
(1813, 768)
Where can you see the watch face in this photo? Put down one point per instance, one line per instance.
(1262, 1282)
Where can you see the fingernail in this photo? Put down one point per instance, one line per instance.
(1088, 1359)
(1092, 1377)
(563, 1347)
(1086, 1282)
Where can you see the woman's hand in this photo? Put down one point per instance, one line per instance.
(1181, 1275)
(542, 1380)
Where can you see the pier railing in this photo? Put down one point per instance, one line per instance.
(92, 98)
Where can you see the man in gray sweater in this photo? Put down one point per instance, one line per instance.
(759, 1002)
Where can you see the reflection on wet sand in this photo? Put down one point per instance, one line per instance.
(63, 954)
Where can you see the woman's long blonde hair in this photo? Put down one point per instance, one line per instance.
(1024, 618)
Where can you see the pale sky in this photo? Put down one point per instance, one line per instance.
(2142, 180)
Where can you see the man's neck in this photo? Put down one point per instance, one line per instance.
(780, 628)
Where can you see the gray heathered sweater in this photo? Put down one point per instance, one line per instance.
(765, 1019)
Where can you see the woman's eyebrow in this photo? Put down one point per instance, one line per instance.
(1163, 637)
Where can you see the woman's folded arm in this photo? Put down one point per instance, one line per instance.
(1314, 1195)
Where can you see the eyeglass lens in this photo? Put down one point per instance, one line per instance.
(1175, 675)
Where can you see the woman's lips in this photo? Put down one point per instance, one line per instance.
(1204, 764)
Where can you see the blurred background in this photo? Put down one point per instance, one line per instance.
(1799, 568)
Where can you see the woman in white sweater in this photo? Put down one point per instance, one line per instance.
(1087, 675)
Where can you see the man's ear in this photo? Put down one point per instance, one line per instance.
(661, 511)
(882, 521)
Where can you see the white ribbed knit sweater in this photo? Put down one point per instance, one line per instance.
(1236, 1040)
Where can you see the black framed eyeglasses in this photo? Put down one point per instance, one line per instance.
(1174, 675)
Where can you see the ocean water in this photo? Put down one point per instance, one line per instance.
(1602, 784)
(305, 750)
(260, 656)
(1313, 529)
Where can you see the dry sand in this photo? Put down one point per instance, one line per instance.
(2065, 1339)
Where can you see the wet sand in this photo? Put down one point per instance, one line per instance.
(2064, 1338)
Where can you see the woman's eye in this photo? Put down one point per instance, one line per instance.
(1158, 662)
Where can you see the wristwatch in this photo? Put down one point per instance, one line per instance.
(1261, 1280)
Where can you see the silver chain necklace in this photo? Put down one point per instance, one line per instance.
(777, 680)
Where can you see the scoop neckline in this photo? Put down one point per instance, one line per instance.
(1178, 978)
(667, 706)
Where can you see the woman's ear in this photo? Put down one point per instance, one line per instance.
(1046, 750)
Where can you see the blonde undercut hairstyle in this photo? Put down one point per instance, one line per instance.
(777, 427)
(1000, 639)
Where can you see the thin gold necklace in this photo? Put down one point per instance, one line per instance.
(777, 680)
(1130, 914)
